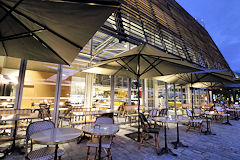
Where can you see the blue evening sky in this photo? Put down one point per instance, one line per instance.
(222, 21)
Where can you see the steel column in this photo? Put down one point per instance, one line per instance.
(166, 97)
(112, 93)
(129, 90)
(175, 101)
(19, 90)
(57, 95)
(143, 92)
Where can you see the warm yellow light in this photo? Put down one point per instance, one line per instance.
(4, 103)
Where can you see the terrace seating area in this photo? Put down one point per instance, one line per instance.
(224, 145)
(194, 125)
(113, 79)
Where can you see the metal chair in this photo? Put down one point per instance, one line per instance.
(153, 113)
(106, 141)
(146, 130)
(45, 153)
(163, 112)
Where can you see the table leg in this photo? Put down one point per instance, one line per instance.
(178, 143)
(14, 135)
(100, 147)
(208, 131)
(236, 115)
(228, 123)
(56, 151)
(15, 148)
(166, 150)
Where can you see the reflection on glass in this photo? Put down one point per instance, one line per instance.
(73, 86)
(9, 68)
(39, 85)
(120, 92)
(101, 91)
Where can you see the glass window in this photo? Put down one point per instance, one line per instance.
(101, 91)
(9, 68)
(73, 86)
(150, 95)
(39, 85)
(134, 92)
(120, 90)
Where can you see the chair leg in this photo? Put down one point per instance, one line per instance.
(200, 128)
(108, 153)
(156, 142)
(88, 153)
(96, 151)
(130, 120)
(141, 141)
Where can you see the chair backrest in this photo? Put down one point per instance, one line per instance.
(219, 108)
(197, 111)
(143, 120)
(131, 108)
(163, 112)
(38, 126)
(68, 111)
(153, 113)
(44, 113)
(44, 105)
(104, 120)
(189, 113)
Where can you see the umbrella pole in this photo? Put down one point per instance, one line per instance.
(138, 90)
(192, 101)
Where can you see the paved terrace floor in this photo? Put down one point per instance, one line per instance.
(223, 146)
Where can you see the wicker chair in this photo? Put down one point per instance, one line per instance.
(222, 115)
(44, 113)
(146, 130)
(66, 116)
(106, 141)
(45, 153)
(193, 123)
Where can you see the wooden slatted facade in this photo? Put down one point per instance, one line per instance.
(166, 25)
(161, 23)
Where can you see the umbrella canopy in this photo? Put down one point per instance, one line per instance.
(207, 84)
(207, 75)
(50, 30)
(144, 61)
(233, 85)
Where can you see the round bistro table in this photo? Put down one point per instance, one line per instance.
(56, 136)
(100, 130)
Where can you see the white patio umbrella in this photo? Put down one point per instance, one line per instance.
(52, 31)
(144, 61)
(207, 76)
